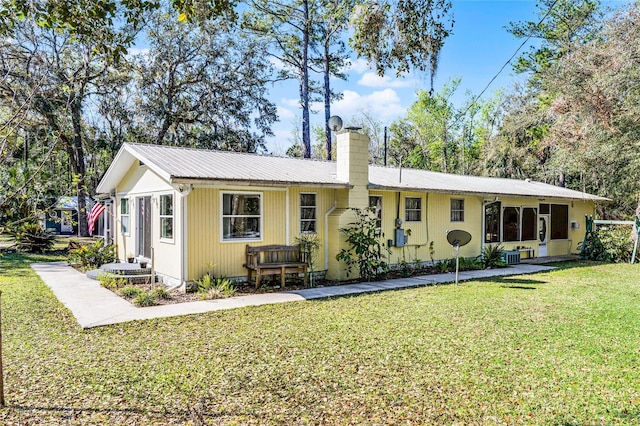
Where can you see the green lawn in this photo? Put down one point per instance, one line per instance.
(560, 348)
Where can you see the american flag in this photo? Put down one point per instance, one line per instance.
(93, 215)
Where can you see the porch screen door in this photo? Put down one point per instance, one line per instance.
(143, 234)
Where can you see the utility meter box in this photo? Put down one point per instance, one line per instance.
(399, 238)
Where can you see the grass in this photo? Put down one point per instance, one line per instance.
(558, 348)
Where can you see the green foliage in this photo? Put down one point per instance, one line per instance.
(145, 298)
(609, 245)
(402, 35)
(31, 238)
(161, 293)
(366, 251)
(130, 291)
(309, 246)
(492, 256)
(92, 256)
(212, 287)
(111, 281)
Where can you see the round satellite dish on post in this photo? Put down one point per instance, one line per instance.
(335, 123)
(458, 238)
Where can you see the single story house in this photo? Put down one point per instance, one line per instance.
(63, 218)
(187, 209)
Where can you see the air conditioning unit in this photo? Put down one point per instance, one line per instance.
(511, 257)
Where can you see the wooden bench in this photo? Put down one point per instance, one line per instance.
(275, 260)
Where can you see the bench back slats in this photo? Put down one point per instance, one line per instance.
(260, 255)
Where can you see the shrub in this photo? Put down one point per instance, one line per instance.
(130, 291)
(492, 256)
(111, 281)
(609, 245)
(31, 238)
(161, 293)
(91, 256)
(366, 251)
(145, 298)
(211, 287)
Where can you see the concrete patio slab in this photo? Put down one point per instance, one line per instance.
(93, 305)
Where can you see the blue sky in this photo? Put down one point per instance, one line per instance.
(476, 51)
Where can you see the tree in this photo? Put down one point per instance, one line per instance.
(203, 86)
(403, 34)
(94, 19)
(562, 23)
(594, 104)
(48, 78)
(425, 139)
(288, 30)
(333, 20)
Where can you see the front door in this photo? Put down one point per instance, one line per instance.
(143, 227)
(543, 235)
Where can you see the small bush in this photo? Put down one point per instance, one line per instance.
(609, 245)
(366, 250)
(91, 256)
(145, 298)
(161, 293)
(31, 238)
(130, 291)
(111, 281)
(211, 287)
(492, 256)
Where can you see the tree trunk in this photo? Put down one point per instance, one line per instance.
(304, 83)
(327, 96)
(78, 167)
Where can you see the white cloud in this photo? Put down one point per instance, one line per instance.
(285, 113)
(385, 105)
(358, 66)
(371, 79)
(291, 102)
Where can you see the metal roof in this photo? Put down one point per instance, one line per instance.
(187, 165)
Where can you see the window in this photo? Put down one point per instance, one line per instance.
(510, 224)
(559, 222)
(492, 222)
(529, 220)
(241, 216)
(457, 210)
(308, 213)
(166, 216)
(124, 216)
(413, 209)
(375, 203)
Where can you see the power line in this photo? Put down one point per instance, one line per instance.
(508, 62)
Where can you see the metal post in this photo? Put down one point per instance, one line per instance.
(457, 264)
(1, 368)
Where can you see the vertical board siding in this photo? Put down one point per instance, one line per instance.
(207, 251)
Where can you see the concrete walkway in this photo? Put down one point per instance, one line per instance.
(94, 305)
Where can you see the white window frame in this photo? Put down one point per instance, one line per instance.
(377, 213)
(125, 215)
(406, 218)
(222, 216)
(166, 216)
(314, 207)
(458, 211)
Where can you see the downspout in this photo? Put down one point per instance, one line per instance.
(184, 191)
(286, 217)
(326, 232)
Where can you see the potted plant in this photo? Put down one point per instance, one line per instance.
(130, 257)
(143, 264)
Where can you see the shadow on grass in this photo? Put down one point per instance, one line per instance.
(72, 412)
(519, 283)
